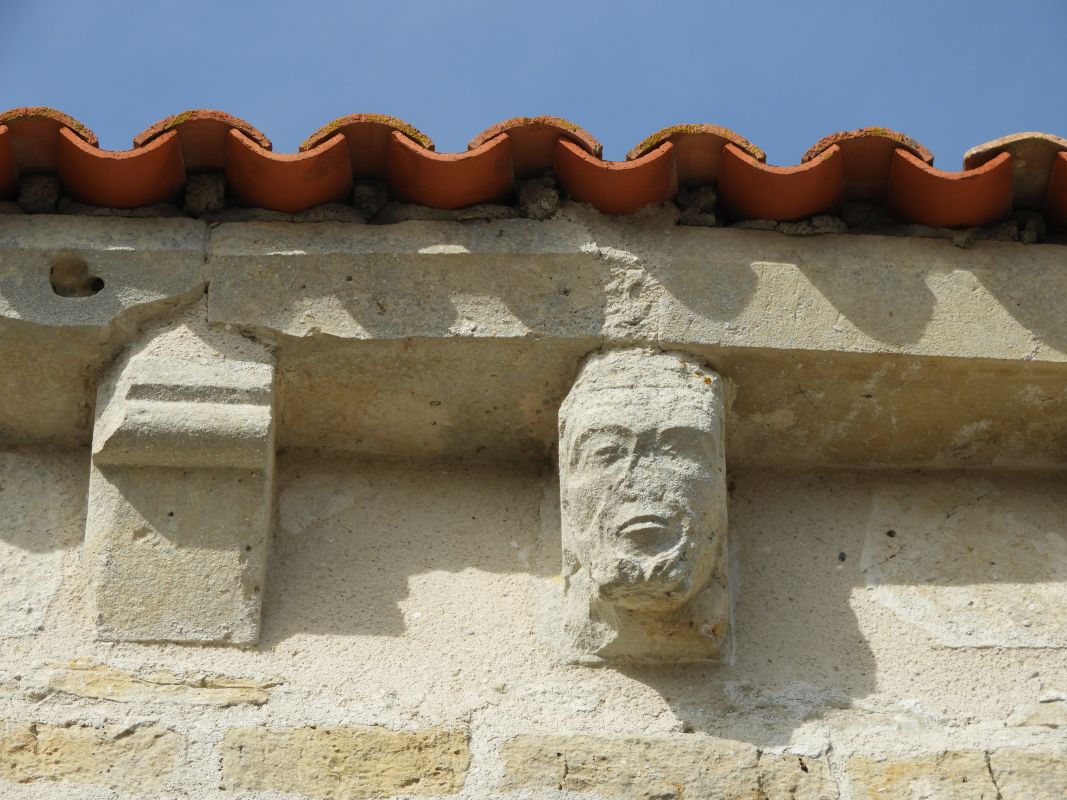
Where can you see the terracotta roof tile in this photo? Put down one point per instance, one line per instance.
(750, 189)
(919, 193)
(867, 154)
(1032, 158)
(533, 141)
(35, 136)
(1056, 200)
(9, 170)
(150, 174)
(1022, 171)
(697, 150)
(202, 134)
(450, 180)
(287, 182)
(616, 187)
(368, 137)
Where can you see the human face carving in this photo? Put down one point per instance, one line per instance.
(641, 489)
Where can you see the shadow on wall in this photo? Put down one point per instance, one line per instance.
(962, 560)
(362, 549)
(357, 533)
(352, 540)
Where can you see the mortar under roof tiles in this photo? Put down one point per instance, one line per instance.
(1021, 171)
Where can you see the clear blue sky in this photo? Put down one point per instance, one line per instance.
(951, 74)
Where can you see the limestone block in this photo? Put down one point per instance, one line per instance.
(643, 509)
(662, 769)
(960, 776)
(1049, 712)
(181, 488)
(89, 679)
(42, 502)
(974, 566)
(1022, 775)
(345, 762)
(130, 759)
(73, 292)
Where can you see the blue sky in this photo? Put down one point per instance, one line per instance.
(783, 74)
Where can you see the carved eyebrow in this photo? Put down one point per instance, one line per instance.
(688, 435)
(684, 432)
(615, 430)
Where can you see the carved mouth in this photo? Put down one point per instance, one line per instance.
(644, 526)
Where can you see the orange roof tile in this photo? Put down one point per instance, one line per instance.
(1022, 171)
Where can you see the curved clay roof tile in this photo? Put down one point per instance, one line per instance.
(697, 150)
(749, 189)
(202, 134)
(450, 180)
(284, 181)
(920, 193)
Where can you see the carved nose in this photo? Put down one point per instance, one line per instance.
(640, 478)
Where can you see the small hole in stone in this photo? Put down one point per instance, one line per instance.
(841, 556)
(349, 278)
(891, 533)
(170, 513)
(248, 548)
(70, 277)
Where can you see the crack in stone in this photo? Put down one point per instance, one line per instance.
(992, 777)
(761, 793)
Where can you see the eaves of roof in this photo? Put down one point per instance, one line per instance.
(1017, 172)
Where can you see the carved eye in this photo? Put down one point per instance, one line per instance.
(605, 453)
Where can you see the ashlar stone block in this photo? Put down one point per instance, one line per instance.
(181, 488)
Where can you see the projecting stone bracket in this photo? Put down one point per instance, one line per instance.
(643, 510)
(181, 488)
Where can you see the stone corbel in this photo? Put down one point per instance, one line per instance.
(180, 494)
(643, 510)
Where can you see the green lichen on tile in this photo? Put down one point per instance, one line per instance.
(872, 130)
(177, 120)
(653, 141)
(579, 135)
(327, 130)
(53, 114)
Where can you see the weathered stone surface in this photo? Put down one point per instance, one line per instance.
(130, 759)
(1050, 712)
(959, 776)
(85, 678)
(973, 567)
(42, 515)
(643, 508)
(845, 349)
(57, 346)
(348, 762)
(721, 287)
(180, 491)
(662, 769)
(1022, 775)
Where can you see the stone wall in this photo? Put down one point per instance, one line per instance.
(898, 546)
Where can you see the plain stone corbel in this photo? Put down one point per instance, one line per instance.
(181, 487)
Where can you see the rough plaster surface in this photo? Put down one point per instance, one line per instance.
(408, 597)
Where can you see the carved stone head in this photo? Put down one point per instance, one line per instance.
(643, 502)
